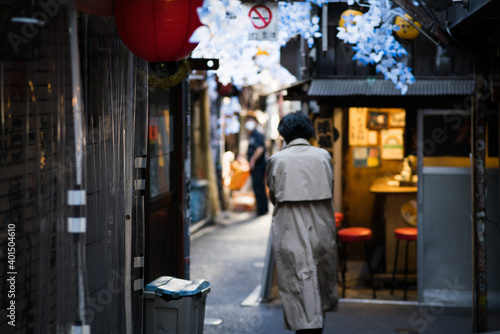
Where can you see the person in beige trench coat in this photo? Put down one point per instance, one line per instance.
(300, 180)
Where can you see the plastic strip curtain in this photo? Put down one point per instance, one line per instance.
(116, 99)
(73, 145)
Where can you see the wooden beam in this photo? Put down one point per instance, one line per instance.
(478, 148)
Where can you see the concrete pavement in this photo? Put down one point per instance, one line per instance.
(230, 255)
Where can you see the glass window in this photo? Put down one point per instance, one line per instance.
(447, 135)
(160, 144)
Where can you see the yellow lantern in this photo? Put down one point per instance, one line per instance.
(407, 31)
(346, 14)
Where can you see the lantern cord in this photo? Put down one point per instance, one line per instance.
(171, 80)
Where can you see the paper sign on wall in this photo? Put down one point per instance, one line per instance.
(358, 133)
(366, 156)
(392, 144)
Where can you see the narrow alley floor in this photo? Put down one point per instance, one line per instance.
(231, 254)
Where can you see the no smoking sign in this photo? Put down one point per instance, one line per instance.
(260, 16)
(263, 20)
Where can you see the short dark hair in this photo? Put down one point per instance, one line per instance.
(296, 125)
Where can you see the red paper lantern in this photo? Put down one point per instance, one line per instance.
(158, 30)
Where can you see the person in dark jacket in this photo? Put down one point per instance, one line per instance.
(257, 159)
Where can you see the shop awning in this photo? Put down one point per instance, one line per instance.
(380, 87)
(296, 91)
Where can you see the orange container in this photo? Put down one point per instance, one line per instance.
(238, 176)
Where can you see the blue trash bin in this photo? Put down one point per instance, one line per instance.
(198, 199)
(175, 306)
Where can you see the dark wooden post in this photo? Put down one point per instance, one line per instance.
(185, 175)
(478, 149)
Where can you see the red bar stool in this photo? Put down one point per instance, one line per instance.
(353, 234)
(403, 233)
(339, 218)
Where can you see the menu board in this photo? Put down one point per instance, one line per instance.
(392, 144)
(324, 133)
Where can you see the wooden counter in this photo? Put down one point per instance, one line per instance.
(380, 186)
(394, 197)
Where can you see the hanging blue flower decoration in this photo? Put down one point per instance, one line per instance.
(373, 42)
(248, 62)
(295, 19)
(225, 36)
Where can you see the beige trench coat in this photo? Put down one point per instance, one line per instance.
(300, 181)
